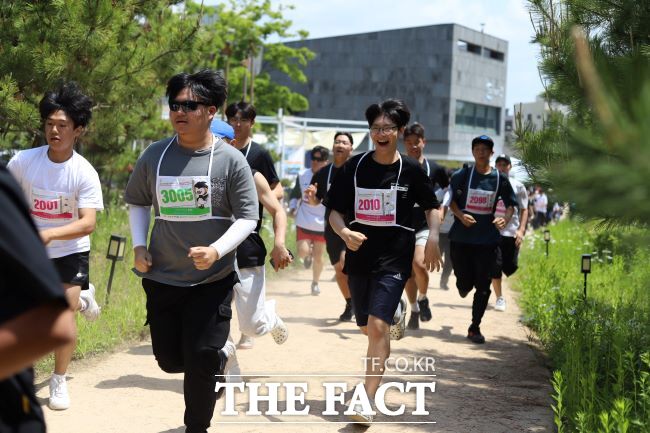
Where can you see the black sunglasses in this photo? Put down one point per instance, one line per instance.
(186, 106)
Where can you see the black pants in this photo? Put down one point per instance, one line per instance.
(474, 266)
(189, 325)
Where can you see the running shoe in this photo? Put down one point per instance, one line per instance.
(425, 311)
(59, 398)
(220, 376)
(414, 321)
(315, 290)
(232, 372)
(358, 417)
(280, 332)
(399, 321)
(347, 313)
(475, 336)
(500, 305)
(307, 262)
(90, 310)
(245, 342)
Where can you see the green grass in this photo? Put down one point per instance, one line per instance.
(598, 348)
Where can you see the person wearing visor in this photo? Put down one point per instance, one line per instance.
(188, 265)
(474, 237)
(512, 234)
(376, 192)
(310, 218)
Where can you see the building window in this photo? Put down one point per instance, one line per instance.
(478, 118)
(469, 47)
(493, 54)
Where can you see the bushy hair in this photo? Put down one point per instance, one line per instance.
(395, 109)
(70, 99)
(324, 152)
(347, 134)
(246, 109)
(208, 86)
(414, 129)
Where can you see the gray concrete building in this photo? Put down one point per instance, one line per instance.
(453, 79)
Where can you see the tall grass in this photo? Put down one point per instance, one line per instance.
(598, 347)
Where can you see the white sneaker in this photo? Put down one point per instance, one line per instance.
(280, 332)
(245, 342)
(59, 398)
(232, 370)
(500, 305)
(399, 321)
(315, 290)
(358, 417)
(91, 310)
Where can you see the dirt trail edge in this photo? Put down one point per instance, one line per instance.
(500, 386)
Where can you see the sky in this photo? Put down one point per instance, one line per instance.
(505, 19)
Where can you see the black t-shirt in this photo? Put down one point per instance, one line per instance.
(484, 231)
(439, 179)
(252, 252)
(387, 249)
(28, 280)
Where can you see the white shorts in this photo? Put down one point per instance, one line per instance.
(421, 237)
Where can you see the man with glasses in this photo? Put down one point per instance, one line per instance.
(320, 184)
(241, 116)
(188, 267)
(310, 218)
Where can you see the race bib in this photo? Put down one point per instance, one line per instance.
(376, 206)
(480, 202)
(50, 205)
(184, 198)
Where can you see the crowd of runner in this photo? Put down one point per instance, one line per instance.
(385, 220)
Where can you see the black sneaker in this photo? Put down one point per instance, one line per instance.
(414, 321)
(425, 311)
(221, 378)
(475, 336)
(347, 313)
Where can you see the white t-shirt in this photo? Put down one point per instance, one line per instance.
(56, 191)
(541, 203)
(309, 217)
(510, 230)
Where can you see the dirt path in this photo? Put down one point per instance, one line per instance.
(497, 387)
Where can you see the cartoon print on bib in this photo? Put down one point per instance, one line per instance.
(51, 205)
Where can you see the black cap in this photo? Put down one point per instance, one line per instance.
(483, 139)
(503, 157)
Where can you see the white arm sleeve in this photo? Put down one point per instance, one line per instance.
(235, 235)
(139, 220)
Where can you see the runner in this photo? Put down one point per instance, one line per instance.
(64, 195)
(540, 203)
(188, 270)
(376, 191)
(310, 219)
(417, 285)
(241, 116)
(316, 192)
(474, 236)
(511, 235)
(35, 317)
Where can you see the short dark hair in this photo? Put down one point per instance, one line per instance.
(207, 85)
(69, 98)
(414, 129)
(483, 139)
(325, 154)
(246, 109)
(395, 109)
(347, 134)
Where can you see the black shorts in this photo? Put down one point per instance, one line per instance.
(474, 265)
(73, 269)
(509, 257)
(376, 294)
(334, 245)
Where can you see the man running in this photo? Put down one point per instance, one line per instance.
(474, 236)
(512, 234)
(188, 267)
(316, 192)
(376, 192)
(64, 195)
(310, 219)
(417, 285)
